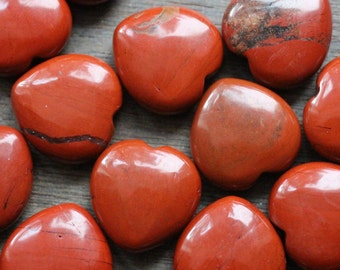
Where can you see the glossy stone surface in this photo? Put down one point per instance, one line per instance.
(64, 236)
(16, 175)
(305, 204)
(241, 130)
(163, 56)
(321, 117)
(285, 42)
(65, 105)
(25, 35)
(143, 195)
(231, 233)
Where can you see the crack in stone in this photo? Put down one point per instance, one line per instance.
(67, 139)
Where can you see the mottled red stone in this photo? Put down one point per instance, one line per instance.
(241, 130)
(305, 204)
(31, 29)
(64, 236)
(65, 106)
(321, 118)
(163, 56)
(285, 42)
(230, 233)
(16, 175)
(143, 195)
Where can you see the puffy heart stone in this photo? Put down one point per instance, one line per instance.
(285, 42)
(25, 33)
(65, 106)
(241, 130)
(230, 233)
(305, 204)
(321, 118)
(16, 175)
(60, 237)
(163, 56)
(143, 195)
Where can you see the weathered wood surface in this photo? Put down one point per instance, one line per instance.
(92, 34)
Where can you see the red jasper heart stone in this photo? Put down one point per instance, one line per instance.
(305, 204)
(230, 233)
(65, 106)
(31, 29)
(16, 175)
(321, 118)
(60, 237)
(163, 56)
(285, 42)
(241, 130)
(143, 195)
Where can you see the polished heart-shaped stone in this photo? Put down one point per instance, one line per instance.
(321, 118)
(64, 236)
(230, 233)
(163, 56)
(16, 175)
(31, 29)
(143, 195)
(305, 204)
(65, 106)
(241, 130)
(285, 42)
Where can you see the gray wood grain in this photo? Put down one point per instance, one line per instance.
(92, 34)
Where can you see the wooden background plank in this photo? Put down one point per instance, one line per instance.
(92, 34)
